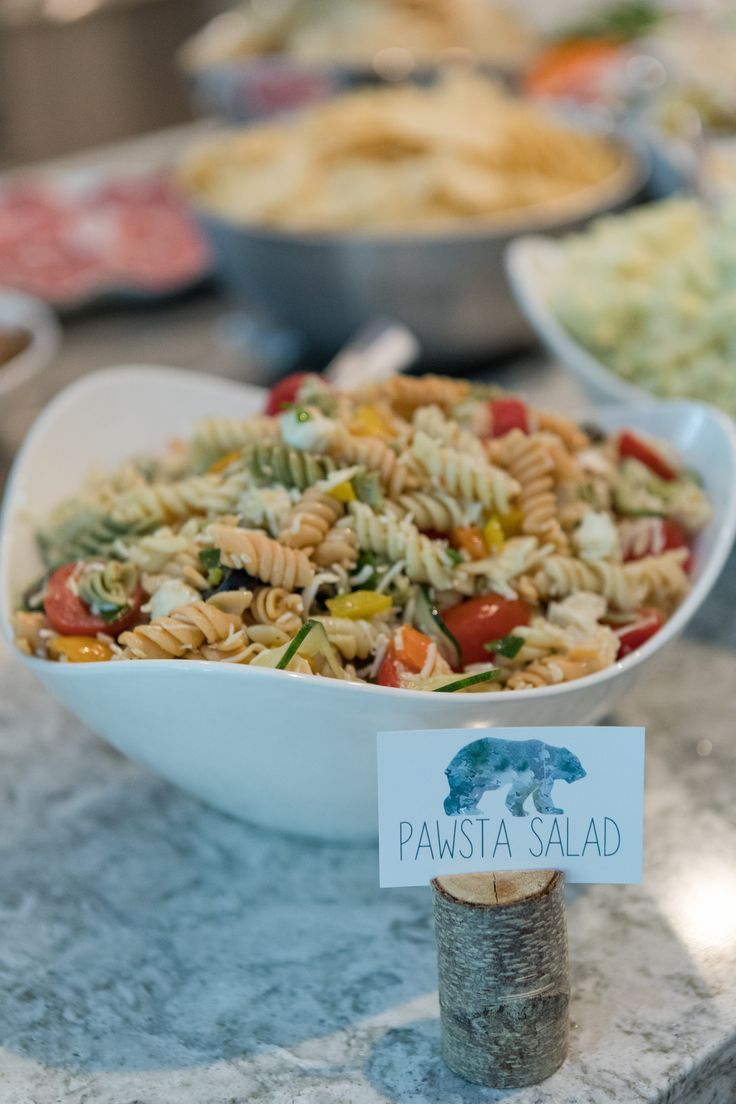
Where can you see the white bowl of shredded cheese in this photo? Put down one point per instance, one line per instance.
(640, 304)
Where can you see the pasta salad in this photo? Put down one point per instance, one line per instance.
(422, 533)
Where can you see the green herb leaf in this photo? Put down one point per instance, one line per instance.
(508, 646)
(454, 556)
(111, 615)
(210, 558)
(367, 559)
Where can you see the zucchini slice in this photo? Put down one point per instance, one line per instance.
(469, 680)
(428, 620)
(312, 643)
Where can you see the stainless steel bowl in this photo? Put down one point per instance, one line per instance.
(449, 288)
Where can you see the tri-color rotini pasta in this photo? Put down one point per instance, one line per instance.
(422, 533)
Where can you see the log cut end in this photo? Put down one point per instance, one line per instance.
(496, 889)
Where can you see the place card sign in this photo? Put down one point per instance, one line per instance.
(455, 801)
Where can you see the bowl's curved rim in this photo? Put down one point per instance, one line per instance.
(137, 374)
(520, 257)
(614, 191)
(45, 341)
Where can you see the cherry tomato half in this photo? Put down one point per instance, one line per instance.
(637, 449)
(508, 414)
(434, 534)
(284, 392)
(666, 535)
(631, 637)
(70, 616)
(481, 620)
(390, 671)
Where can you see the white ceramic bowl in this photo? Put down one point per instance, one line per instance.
(280, 749)
(534, 264)
(17, 309)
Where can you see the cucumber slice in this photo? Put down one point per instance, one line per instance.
(464, 683)
(291, 649)
(428, 621)
(271, 657)
(311, 641)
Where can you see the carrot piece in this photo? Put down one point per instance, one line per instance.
(570, 68)
(412, 648)
(470, 540)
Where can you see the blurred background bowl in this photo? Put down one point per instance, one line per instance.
(449, 288)
(535, 267)
(254, 59)
(31, 316)
(245, 91)
(242, 92)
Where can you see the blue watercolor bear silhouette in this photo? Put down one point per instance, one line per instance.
(530, 767)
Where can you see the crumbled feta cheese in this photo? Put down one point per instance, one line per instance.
(306, 429)
(170, 596)
(265, 507)
(582, 610)
(335, 478)
(596, 538)
(593, 461)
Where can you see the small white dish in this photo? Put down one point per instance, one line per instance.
(17, 309)
(534, 265)
(283, 750)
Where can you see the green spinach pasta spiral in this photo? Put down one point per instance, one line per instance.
(83, 534)
(287, 466)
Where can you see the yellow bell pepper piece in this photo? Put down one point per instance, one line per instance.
(361, 604)
(493, 534)
(343, 492)
(368, 422)
(79, 649)
(512, 522)
(224, 462)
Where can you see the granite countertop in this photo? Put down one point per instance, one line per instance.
(154, 951)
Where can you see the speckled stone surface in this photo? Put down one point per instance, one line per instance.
(153, 951)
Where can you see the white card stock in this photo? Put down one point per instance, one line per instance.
(455, 801)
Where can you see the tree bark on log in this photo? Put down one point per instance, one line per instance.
(504, 975)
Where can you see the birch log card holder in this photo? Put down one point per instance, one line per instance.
(497, 820)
